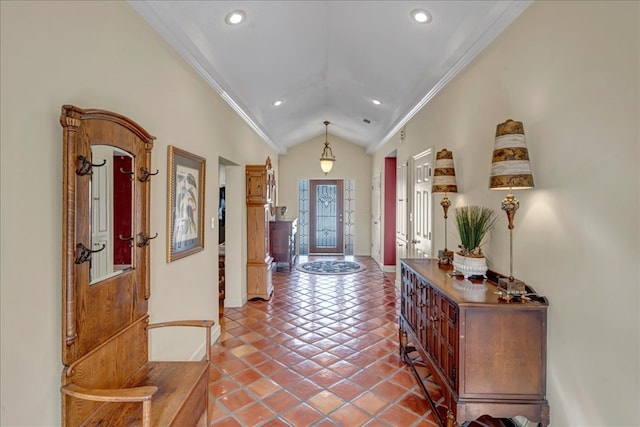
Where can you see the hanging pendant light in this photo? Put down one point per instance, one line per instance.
(327, 158)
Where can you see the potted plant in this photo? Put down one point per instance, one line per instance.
(473, 223)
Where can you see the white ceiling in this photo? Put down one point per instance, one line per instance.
(327, 60)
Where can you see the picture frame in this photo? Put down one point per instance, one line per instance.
(185, 203)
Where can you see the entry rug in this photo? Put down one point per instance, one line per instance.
(330, 267)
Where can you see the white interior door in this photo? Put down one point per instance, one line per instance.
(421, 237)
(402, 220)
(402, 213)
(376, 219)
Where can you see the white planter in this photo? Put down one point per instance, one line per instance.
(470, 266)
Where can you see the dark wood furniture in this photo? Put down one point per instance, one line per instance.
(282, 235)
(259, 186)
(487, 356)
(222, 291)
(107, 377)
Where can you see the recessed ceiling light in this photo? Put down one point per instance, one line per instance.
(421, 16)
(277, 103)
(376, 101)
(235, 17)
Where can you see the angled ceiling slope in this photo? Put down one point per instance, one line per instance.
(328, 60)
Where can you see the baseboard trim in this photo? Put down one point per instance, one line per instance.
(234, 302)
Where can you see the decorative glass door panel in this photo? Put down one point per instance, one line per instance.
(325, 217)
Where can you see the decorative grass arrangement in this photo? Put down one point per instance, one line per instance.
(473, 223)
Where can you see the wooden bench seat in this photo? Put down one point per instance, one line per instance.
(172, 406)
(135, 391)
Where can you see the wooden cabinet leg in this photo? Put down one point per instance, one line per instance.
(402, 338)
(451, 422)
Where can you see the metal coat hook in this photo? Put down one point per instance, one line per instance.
(146, 175)
(127, 173)
(85, 167)
(85, 253)
(127, 239)
(143, 239)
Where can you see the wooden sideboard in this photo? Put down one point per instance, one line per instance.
(282, 235)
(260, 184)
(487, 356)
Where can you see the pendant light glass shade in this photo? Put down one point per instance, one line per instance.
(327, 158)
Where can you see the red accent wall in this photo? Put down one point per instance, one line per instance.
(390, 166)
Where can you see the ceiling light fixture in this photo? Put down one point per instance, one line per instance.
(327, 158)
(421, 16)
(235, 17)
(376, 101)
(277, 103)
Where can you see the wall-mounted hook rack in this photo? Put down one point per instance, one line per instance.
(146, 175)
(127, 239)
(85, 166)
(143, 239)
(122, 171)
(85, 253)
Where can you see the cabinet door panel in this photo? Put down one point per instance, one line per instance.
(422, 310)
(494, 362)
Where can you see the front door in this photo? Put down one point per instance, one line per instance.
(376, 222)
(325, 217)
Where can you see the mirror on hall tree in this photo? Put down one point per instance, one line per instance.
(111, 198)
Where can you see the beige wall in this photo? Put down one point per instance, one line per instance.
(352, 162)
(96, 55)
(569, 71)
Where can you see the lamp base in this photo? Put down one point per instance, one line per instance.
(511, 288)
(445, 258)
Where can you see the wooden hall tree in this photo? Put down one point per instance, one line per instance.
(107, 377)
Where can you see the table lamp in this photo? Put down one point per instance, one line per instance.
(510, 170)
(444, 181)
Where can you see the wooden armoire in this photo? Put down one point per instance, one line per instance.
(260, 190)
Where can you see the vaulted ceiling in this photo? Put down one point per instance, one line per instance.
(328, 60)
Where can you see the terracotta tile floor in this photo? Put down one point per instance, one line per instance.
(322, 352)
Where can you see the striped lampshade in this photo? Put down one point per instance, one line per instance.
(510, 167)
(444, 176)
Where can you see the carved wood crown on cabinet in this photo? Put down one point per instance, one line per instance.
(487, 356)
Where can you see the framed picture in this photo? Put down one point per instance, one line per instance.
(185, 208)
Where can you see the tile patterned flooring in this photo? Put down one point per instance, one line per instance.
(322, 352)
